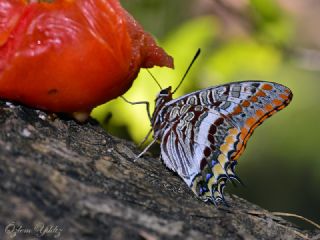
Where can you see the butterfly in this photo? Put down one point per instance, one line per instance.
(202, 134)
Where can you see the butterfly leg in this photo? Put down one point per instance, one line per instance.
(145, 138)
(141, 102)
(145, 150)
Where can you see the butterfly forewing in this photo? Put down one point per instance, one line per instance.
(204, 132)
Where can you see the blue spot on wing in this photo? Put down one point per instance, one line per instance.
(208, 176)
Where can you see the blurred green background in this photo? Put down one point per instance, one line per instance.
(241, 40)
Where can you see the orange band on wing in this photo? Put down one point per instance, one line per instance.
(253, 122)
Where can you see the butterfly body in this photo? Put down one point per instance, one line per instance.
(203, 133)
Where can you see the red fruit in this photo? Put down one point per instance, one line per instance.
(71, 55)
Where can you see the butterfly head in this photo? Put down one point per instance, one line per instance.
(165, 95)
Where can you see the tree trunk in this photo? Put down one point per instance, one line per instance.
(63, 180)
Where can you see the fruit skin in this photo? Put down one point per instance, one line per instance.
(71, 55)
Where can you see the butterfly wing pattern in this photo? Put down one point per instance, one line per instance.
(202, 134)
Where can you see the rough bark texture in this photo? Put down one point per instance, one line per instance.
(78, 182)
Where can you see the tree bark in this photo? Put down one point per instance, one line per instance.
(63, 180)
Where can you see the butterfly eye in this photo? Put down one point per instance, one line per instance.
(163, 92)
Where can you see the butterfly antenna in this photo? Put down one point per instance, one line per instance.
(190, 65)
(154, 78)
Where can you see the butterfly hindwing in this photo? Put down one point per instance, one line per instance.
(181, 145)
(204, 132)
(191, 147)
